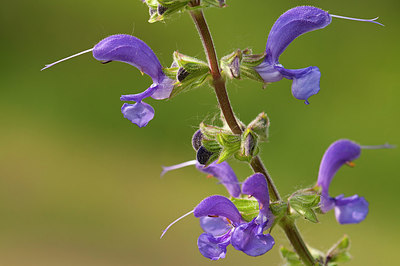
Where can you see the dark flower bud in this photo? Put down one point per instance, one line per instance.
(203, 155)
(196, 140)
(161, 9)
(181, 74)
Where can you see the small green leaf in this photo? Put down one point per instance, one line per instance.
(339, 253)
(304, 202)
(290, 257)
(304, 211)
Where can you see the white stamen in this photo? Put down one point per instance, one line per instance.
(177, 166)
(376, 147)
(171, 224)
(64, 59)
(359, 19)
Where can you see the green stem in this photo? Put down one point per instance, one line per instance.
(256, 164)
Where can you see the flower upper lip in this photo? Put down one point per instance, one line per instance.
(348, 210)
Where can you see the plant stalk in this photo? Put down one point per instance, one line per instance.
(256, 164)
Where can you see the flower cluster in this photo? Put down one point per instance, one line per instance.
(223, 224)
(221, 220)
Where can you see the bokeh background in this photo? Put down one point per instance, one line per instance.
(80, 185)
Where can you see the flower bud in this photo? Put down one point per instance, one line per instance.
(248, 144)
(203, 155)
(161, 9)
(196, 140)
(181, 74)
(260, 126)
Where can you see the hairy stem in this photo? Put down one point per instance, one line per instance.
(256, 164)
(218, 81)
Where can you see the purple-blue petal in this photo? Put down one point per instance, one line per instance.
(140, 96)
(211, 247)
(350, 210)
(256, 186)
(218, 206)
(292, 24)
(225, 174)
(139, 113)
(131, 50)
(335, 156)
(268, 72)
(327, 203)
(305, 81)
(215, 226)
(249, 238)
(164, 89)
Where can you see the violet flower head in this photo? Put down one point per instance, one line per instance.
(133, 51)
(289, 26)
(223, 224)
(348, 210)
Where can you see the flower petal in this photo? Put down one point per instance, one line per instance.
(164, 89)
(225, 174)
(292, 24)
(139, 113)
(268, 72)
(350, 210)
(131, 50)
(248, 238)
(305, 81)
(211, 247)
(140, 96)
(215, 226)
(335, 156)
(218, 206)
(256, 186)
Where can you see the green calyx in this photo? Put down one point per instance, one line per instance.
(161, 10)
(305, 203)
(224, 144)
(248, 208)
(241, 63)
(189, 72)
(260, 126)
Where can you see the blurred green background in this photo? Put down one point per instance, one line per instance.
(80, 185)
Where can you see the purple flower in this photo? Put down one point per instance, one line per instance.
(288, 27)
(223, 224)
(349, 210)
(131, 50)
(222, 171)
